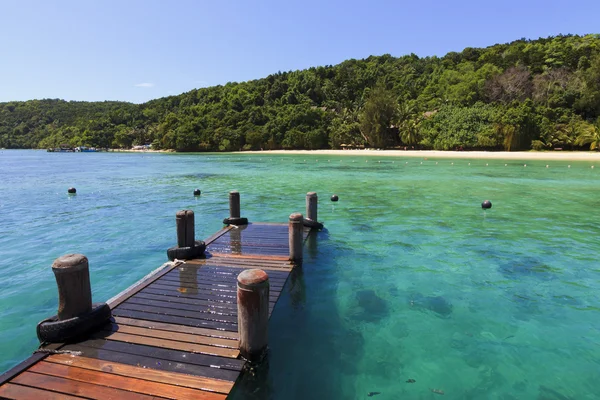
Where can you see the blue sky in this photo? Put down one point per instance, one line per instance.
(139, 50)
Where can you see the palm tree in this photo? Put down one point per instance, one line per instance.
(591, 135)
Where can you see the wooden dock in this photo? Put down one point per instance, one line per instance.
(173, 335)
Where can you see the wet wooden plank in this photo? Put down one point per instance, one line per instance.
(136, 287)
(123, 387)
(190, 381)
(226, 308)
(209, 280)
(167, 344)
(74, 387)
(198, 323)
(176, 328)
(12, 391)
(223, 266)
(223, 296)
(130, 354)
(176, 336)
(182, 317)
(217, 290)
(166, 307)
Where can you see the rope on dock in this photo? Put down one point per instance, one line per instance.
(50, 351)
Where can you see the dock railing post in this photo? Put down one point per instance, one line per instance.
(311, 211)
(296, 228)
(187, 246)
(253, 313)
(76, 314)
(72, 273)
(234, 210)
(186, 228)
(311, 206)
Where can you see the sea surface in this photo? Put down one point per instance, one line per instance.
(410, 281)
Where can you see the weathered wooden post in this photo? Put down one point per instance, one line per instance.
(296, 228)
(187, 245)
(311, 206)
(76, 314)
(234, 210)
(311, 211)
(253, 313)
(186, 228)
(73, 280)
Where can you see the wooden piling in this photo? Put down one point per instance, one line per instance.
(185, 228)
(253, 313)
(311, 206)
(296, 227)
(73, 280)
(234, 210)
(234, 204)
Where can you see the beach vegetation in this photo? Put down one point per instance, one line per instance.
(541, 94)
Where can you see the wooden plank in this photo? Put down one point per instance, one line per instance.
(23, 365)
(166, 307)
(208, 360)
(123, 387)
(224, 267)
(168, 344)
(74, 387)
(136, 311)
(12, 391)
(191, 381)
(215, 290)
(136, 287)
(250, 256)
(209, 276)
(176, 328)
(228, 297)
(226, 308)
(149, 357)
(209, 280)
(226, 262)
(214, 320)
(176, 336)
(217, 235)
(198, 323)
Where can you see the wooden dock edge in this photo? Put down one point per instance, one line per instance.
(112, 302)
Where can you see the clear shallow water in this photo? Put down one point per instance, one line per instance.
(412, 280)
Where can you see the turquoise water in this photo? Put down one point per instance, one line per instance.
(411, 280)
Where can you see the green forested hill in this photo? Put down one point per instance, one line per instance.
(539, 94)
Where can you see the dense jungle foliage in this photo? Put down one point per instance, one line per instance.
(528, 94)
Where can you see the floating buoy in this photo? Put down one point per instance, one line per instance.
(469, 163)
(486, 164)
(197, 192)
(592, 167)
(71, 190)
(547, 165)
(486, 204)
(505, 165)
(335, 197)
(524, 165)
(568, 166)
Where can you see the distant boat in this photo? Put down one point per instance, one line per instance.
(85, 149)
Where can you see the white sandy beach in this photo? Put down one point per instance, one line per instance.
(500, 155)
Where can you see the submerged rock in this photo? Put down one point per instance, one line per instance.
(371, 307)
(527, 266)
(437, 304)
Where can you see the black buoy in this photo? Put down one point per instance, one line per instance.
(335, 197)
(197, 192)
(486, 204)
(71, 190)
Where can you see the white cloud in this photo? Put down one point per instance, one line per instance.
(145, 84)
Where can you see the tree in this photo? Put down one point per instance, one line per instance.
(376, 117)
(590, 135)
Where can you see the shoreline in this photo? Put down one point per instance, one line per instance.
(500, 155)
(484, 155)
